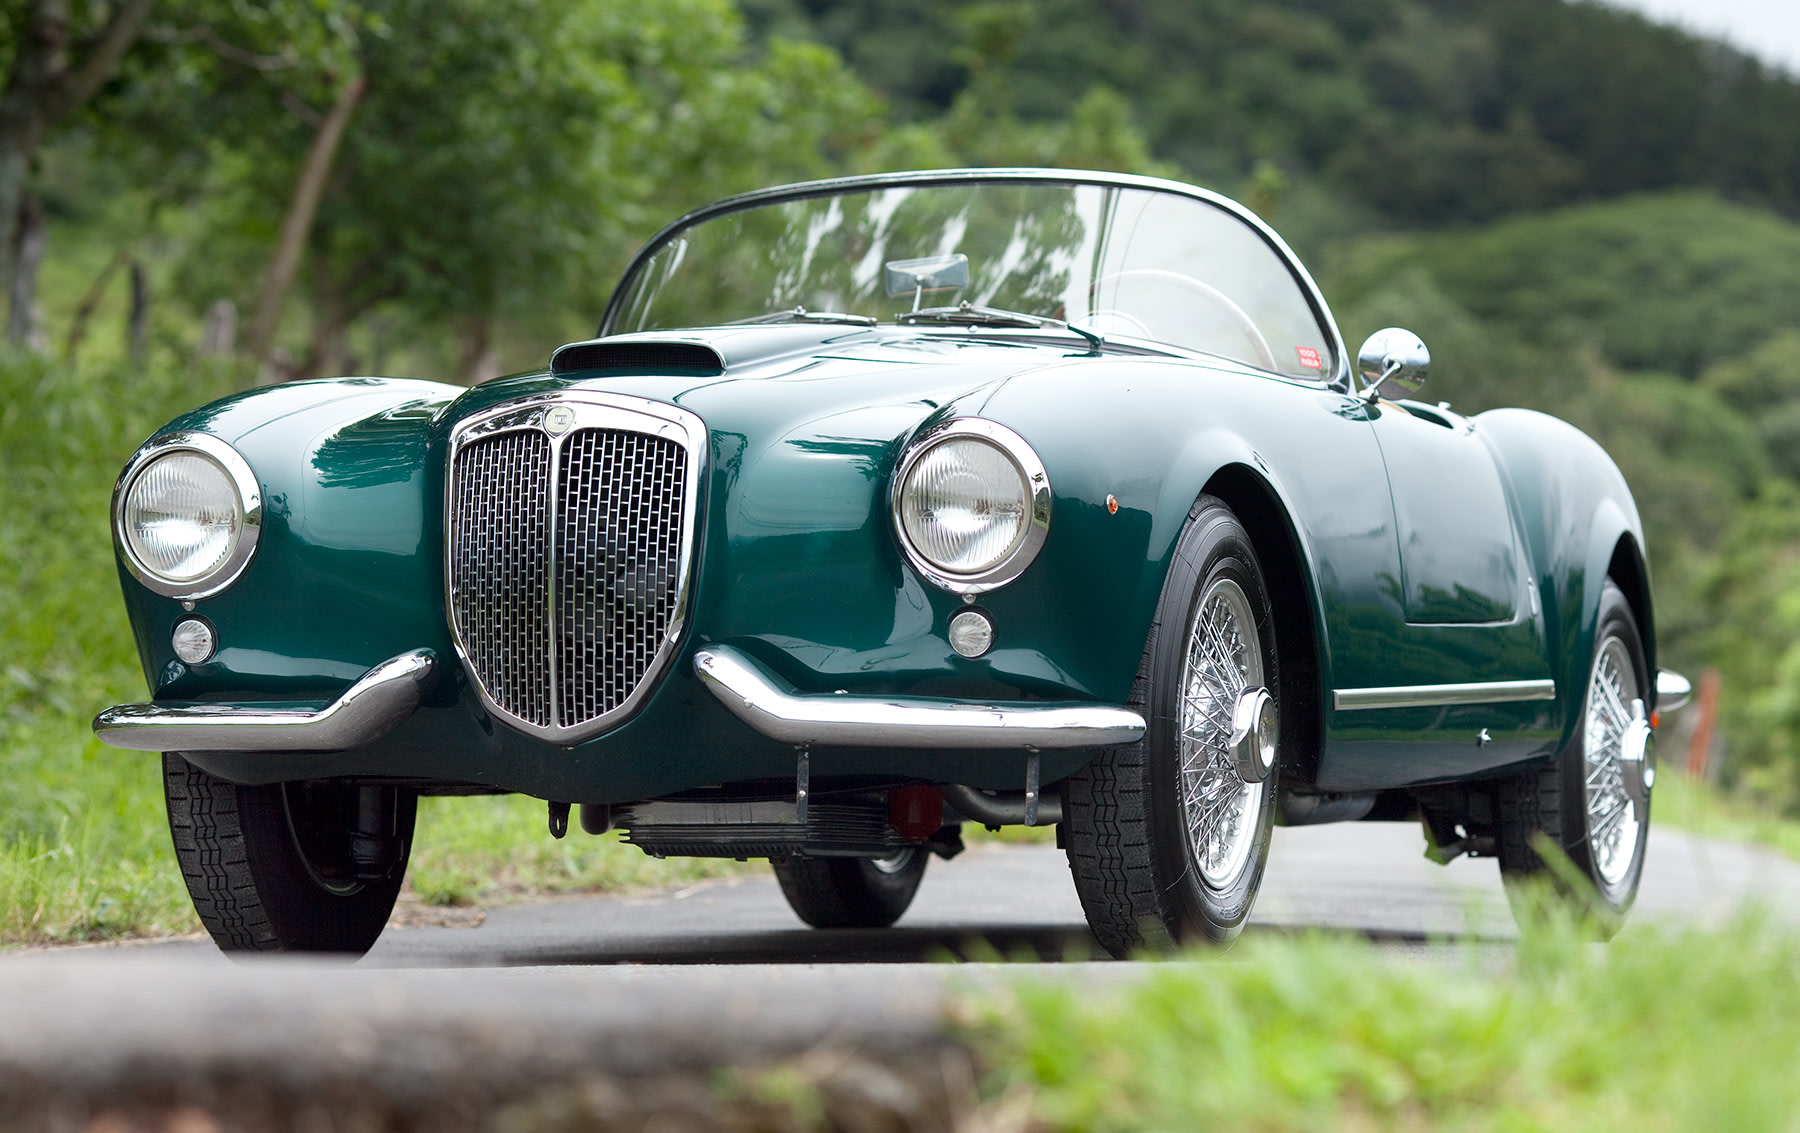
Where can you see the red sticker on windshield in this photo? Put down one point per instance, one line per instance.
(1310, 358)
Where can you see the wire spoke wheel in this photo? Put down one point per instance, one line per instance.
(1611, 820)
(1224, 658)
(1167, 840)
(1592, 802)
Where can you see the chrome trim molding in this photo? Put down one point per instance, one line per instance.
(581, 409)
(1432, 696)
(758, 698)
(250, 506)
(367, 710)
(1037, 482)
(1672, 690)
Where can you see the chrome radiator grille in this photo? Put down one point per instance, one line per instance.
(568, 549)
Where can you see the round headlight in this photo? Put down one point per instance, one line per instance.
(187, 515)
(972, 505)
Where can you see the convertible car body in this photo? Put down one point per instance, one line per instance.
(879, 505)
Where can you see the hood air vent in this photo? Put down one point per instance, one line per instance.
(643, 356)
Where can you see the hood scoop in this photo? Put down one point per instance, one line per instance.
(637, 356)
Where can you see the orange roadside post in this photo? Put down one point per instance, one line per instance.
(1707, 705)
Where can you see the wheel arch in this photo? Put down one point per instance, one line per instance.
(1259, 507)
(1631, 573)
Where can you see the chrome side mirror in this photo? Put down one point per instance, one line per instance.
(1392, 355)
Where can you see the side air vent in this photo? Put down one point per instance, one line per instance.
(636, 356)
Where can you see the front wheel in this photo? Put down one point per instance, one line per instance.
(1167, 837)
(289, 867)
(1593, 802)
(852, 892)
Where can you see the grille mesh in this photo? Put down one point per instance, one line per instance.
(615, 552)
(620, 533)
(500, 568)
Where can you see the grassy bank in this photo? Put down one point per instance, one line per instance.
(1658, 1031)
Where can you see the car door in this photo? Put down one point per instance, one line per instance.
(1463, 684)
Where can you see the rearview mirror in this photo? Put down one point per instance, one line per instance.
(933, 273)
(1392, 355)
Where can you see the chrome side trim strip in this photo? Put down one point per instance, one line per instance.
(1431, 696)
(368, 710)
(1672, 690)
(758, 698)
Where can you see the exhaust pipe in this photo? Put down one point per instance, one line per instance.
(1003, 809)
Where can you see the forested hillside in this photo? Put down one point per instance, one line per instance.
(1428, 111)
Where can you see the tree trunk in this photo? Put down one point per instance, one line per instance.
(137, 323)
(23, 326)
(296, 227)
(84, 310)
(42, 89)
(480, 359)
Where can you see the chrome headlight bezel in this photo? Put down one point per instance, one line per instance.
(1031, 473)
(249, 503)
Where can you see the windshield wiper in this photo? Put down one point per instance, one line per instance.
(968, 314)
(802, 315)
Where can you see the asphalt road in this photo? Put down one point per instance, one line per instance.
(628, 1006)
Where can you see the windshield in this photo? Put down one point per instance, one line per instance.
(1119, 261)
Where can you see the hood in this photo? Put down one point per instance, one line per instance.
(823, 389)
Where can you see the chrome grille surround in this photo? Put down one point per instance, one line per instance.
(569, 545)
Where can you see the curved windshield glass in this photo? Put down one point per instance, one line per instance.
(1123, 261)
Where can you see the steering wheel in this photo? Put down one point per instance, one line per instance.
(1265, 357)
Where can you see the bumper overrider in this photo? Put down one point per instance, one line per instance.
(390, 692)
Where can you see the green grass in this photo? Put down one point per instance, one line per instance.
(1659, 1030)
(1700, 809)
(487, 850)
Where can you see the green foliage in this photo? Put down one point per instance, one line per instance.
(1660, 1029)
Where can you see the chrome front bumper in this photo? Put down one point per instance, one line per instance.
(368, 710)
(763, 701)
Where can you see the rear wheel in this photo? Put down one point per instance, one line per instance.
(852, 892)
(1593, 802)
(289, 867)
(1167, 837)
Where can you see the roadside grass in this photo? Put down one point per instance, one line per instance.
(1699, 809)
(494, 849)
(1660, 1030)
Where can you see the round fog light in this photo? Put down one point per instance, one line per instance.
(971, 634)
(193, 640)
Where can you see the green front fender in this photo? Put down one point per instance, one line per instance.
(348, 570)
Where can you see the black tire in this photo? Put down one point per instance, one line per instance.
(851, 892)
(1555, 801)
(273, 868)
(1140, 877)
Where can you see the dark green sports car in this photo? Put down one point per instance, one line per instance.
(881, 505)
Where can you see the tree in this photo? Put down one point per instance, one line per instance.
(504, 156)
(61, 54)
